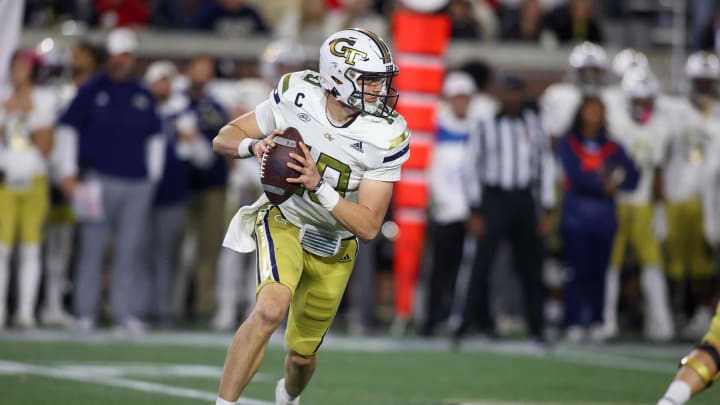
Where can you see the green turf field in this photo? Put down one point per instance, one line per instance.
(179, 369)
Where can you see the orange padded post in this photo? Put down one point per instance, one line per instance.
(420, 42)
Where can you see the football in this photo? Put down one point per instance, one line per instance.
(274, 169)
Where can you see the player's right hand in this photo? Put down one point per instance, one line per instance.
(265, 144)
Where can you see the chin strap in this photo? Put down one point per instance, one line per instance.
(700, 368)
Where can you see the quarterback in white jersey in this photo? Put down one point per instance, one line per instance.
(354, 146)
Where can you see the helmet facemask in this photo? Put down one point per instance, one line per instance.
(642, 109)
(373, 92)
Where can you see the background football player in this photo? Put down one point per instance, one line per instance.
(588, 75)
(306, 246)
(644, 132)
(690, 267)
(27, 120)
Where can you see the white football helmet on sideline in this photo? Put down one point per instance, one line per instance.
(628, 58)
(353, 59)
(588, 63)
(703, 71)
(641, 88)
(702, 65)
(640, 82)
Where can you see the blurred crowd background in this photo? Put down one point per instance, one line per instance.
(113, 206)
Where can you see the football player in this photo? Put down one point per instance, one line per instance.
(690, 257)
(623, 61)
(588, 74)
(27, 120)
(698, 370)
(354, 146)
(644, 132)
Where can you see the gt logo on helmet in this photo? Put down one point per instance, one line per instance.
(346, 52)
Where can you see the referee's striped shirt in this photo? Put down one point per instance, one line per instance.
(510, 153)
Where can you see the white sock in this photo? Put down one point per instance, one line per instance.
(677, 393)
(226, 286)
(612, 294)
(29, 279)
(654, 289)
(4, 275)
(220, 401)
(285, 397)
(58, 245)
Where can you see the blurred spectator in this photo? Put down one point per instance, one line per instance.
(173, 14)
(206, 214)
(60, 225)
(462, 17)
(120, 148)
(449, 208)
(357, 13)
(48, 13)
(232, 17)
(509, 164)
(521, 23)
(185, 146)
(27, 118)
(482, 104)
(122, 13)
(595, 169)
(574, 22)
(308, 23)
(709, 39)
(702, 15)
(86, 59)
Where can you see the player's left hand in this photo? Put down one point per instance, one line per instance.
(309, 175)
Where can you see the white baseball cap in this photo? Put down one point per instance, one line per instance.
(162, 69)
(457, 84)
(121, 40)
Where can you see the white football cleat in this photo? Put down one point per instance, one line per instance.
(224, 320)
(56, 317)
(281, 396)
(25, 322)
(699, 324)
(597, 334)
(575, 334)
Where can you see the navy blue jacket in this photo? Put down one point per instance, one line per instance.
(114, 121)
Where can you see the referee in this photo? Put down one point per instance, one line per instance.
(510, 174)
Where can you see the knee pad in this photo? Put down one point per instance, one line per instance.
(700, 368)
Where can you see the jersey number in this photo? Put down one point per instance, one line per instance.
(339, 173)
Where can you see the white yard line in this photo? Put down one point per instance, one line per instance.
(62, 373)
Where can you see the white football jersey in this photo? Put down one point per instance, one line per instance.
(647, 146)
(687, 149)
(368, 147)
(559, 103)
(22, 161)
